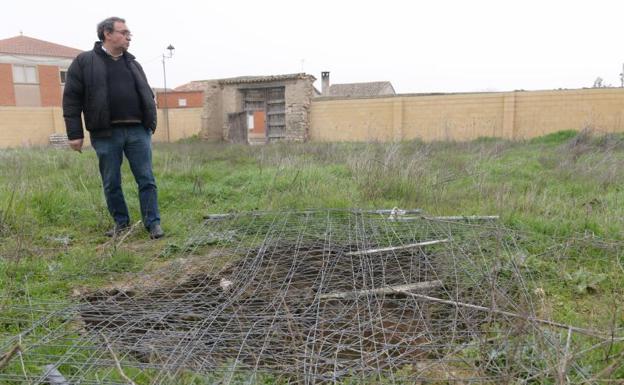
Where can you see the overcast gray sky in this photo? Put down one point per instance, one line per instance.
(420, 46)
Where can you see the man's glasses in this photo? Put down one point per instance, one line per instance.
(125, 33)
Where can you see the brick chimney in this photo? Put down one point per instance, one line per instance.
(325, 83)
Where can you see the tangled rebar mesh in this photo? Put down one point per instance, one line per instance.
(326, 296)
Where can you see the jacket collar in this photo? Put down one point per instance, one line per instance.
(97, 47)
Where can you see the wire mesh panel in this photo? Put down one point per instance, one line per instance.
(324, 296)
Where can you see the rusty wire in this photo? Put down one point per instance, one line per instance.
(323, 296)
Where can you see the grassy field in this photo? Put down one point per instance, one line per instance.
(563, 194)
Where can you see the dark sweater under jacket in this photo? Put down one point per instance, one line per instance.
(125, 105)
(88, 91)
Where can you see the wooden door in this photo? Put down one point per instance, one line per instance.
(276, 114)
(237, 123)
(259, 126)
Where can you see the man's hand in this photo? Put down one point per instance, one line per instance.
(76, 144)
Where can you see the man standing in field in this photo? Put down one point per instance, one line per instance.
(110, 88)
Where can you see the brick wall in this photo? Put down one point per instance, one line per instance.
(50, 85)
(7, 92)
(194, 99)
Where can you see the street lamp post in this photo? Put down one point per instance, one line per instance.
(165, 107)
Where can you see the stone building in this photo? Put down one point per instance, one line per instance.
(256, 109)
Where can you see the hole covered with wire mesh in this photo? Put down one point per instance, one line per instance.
(320, 296)
(366, 295)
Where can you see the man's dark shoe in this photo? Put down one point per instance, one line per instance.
(156, 232)
(117, 229)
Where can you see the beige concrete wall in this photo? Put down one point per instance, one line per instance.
(512, 115)
(183, 123)
(352, 120)
(29, 126)
(32, 126)
(454, 117)
(539, 113)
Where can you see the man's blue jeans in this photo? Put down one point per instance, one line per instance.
(135, 142)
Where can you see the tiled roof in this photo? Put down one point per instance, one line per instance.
(195, 85)
(200, 85)
(361, 89)
(269, 78)
(24, 45)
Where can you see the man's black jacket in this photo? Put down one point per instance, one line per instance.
(86, 91)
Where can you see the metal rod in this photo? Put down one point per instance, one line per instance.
(394, 248)
(399, 289)
(166, 108)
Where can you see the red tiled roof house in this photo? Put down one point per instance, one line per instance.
(32, 71)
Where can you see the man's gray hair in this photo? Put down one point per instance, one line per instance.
(107, 25)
